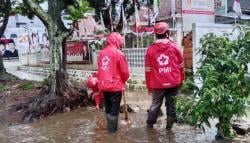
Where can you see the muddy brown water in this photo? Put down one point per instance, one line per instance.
(86, 125)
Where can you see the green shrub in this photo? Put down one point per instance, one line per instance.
(27, 86)
(2, 88)
(225, 88)
(183, 110)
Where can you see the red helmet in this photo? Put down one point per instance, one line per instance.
(91, 82)
(161, 28)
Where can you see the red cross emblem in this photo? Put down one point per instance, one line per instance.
(163, 60)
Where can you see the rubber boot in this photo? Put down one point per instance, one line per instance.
(150, 126)
(112, 122)
(170, 122)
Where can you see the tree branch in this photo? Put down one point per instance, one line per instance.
(55, 11)
(38, 11)
(6, 10)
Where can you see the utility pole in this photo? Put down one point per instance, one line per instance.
(28, 63)
(148, 2)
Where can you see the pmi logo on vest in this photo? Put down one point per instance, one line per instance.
(163, 61)
(105, 63)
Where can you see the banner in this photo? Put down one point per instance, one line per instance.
(237, 7)
(28, 40)
(78, 51)
(197, 11)
(164, 9)
(8, 50)
(220, 7)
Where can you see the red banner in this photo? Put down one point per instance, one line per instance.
(78, 51)
(74, 48)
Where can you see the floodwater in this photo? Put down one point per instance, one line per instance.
(86, 125)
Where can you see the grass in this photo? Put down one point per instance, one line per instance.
(46, 82)
(2, 88)
(27, 86)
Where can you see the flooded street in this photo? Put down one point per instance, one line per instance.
(86, 125)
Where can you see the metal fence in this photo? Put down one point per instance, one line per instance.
(136, 58)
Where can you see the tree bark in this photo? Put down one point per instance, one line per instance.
(55, 54)
(60, 94)
(2, 69)
(6, 12)
(56, 31)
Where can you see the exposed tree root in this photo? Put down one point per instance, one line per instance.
(60, 97)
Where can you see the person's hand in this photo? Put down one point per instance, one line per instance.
(97, 107)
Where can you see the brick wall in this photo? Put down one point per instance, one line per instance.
(188, 52)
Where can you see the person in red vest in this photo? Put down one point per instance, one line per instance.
(113, 73)
(164, 74)
(91, 83)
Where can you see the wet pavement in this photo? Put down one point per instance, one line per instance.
(26, 76)
(12, 68)
(86, 125)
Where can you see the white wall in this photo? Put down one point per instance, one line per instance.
(201, 29)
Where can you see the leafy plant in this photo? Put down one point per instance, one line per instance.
(97, 45)
(183, 110)
(27, 86)
(225, 86)
(147, 40)
(46, 82)
(77, 10)
(2, 88)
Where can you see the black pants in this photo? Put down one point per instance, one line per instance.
(158, 96)
(112, 101)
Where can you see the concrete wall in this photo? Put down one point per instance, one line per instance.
(136, 81)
